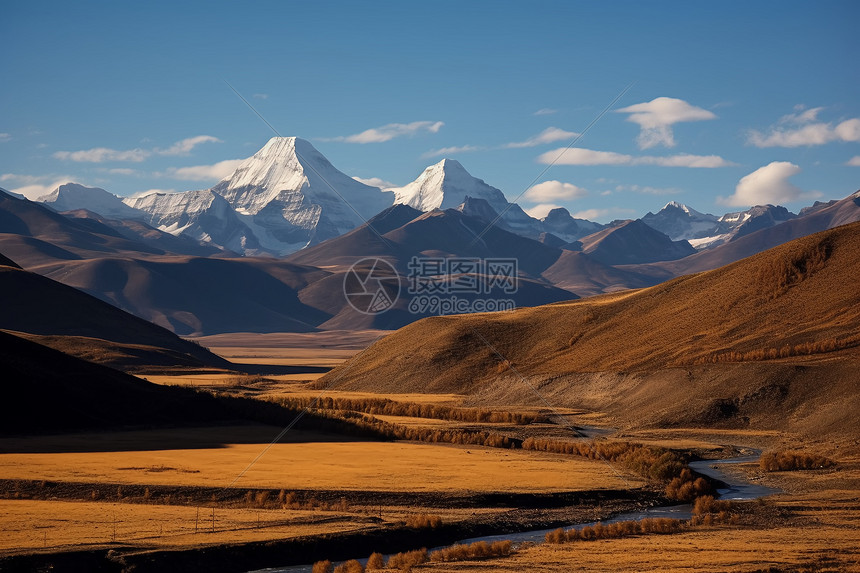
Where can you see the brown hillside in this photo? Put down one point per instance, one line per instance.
(6, 262)
(75, 322)
(696, 351)
(795, 304)
(47, 391)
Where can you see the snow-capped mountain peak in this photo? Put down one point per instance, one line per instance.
(72, 196)
(283, 198)
(290, 165)
(446, 185)
(681, 222)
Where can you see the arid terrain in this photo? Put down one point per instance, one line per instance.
(315, 446)
(144, 492)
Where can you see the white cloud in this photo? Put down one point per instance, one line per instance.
(451, 150)
(213, 172)
(594, 214)
(185, 146)
(802, 115)
(848, 130)
(553, 191)
(656, 118)
(34, 186)
(390, 131)
(376, 182)
(545, 111)
(542, 210)
(261, 96)
(767, 185)
(854, 161)
(684, 160)
(5, 137)
(647, 190)
(103, 154)
(549, 135)
(803, 128)
(581, 156)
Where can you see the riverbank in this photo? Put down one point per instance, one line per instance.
(530, 512)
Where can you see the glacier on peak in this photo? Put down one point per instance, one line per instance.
(445, 185)
(296, 197)
(283, 198)
(202, 215)
(73, 196)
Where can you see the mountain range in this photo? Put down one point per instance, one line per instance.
(681, 222)
(268, 248)
(288, 196)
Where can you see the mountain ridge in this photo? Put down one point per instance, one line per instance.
(767, 342)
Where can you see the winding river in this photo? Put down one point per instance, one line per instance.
(736, 489)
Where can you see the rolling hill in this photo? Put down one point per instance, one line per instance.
(45, 391)
(72, 321)
(48, 392)
(196, 295)
(748, 343)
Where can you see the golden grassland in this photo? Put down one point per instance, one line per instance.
(810, 527)
(293, 386)
(325, 340)
(800, 530)
(40, 526)
(30, 525)
(285, 356)
(302, 391)
(821, 535)
(352, 465)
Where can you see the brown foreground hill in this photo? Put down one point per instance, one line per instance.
(771, 341)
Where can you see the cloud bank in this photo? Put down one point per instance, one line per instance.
(106, 154)
(549, 135)
(582, 156)
(803, 129)
(390, 131)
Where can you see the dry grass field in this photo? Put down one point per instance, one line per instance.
(214, 457)
(63, 525)
(804, 532)
(351, 465)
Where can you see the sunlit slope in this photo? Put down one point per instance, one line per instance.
(799, 302)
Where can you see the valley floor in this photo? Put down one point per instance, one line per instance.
(144, 492)
(802, 532)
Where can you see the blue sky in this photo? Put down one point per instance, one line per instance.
(726, 104)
